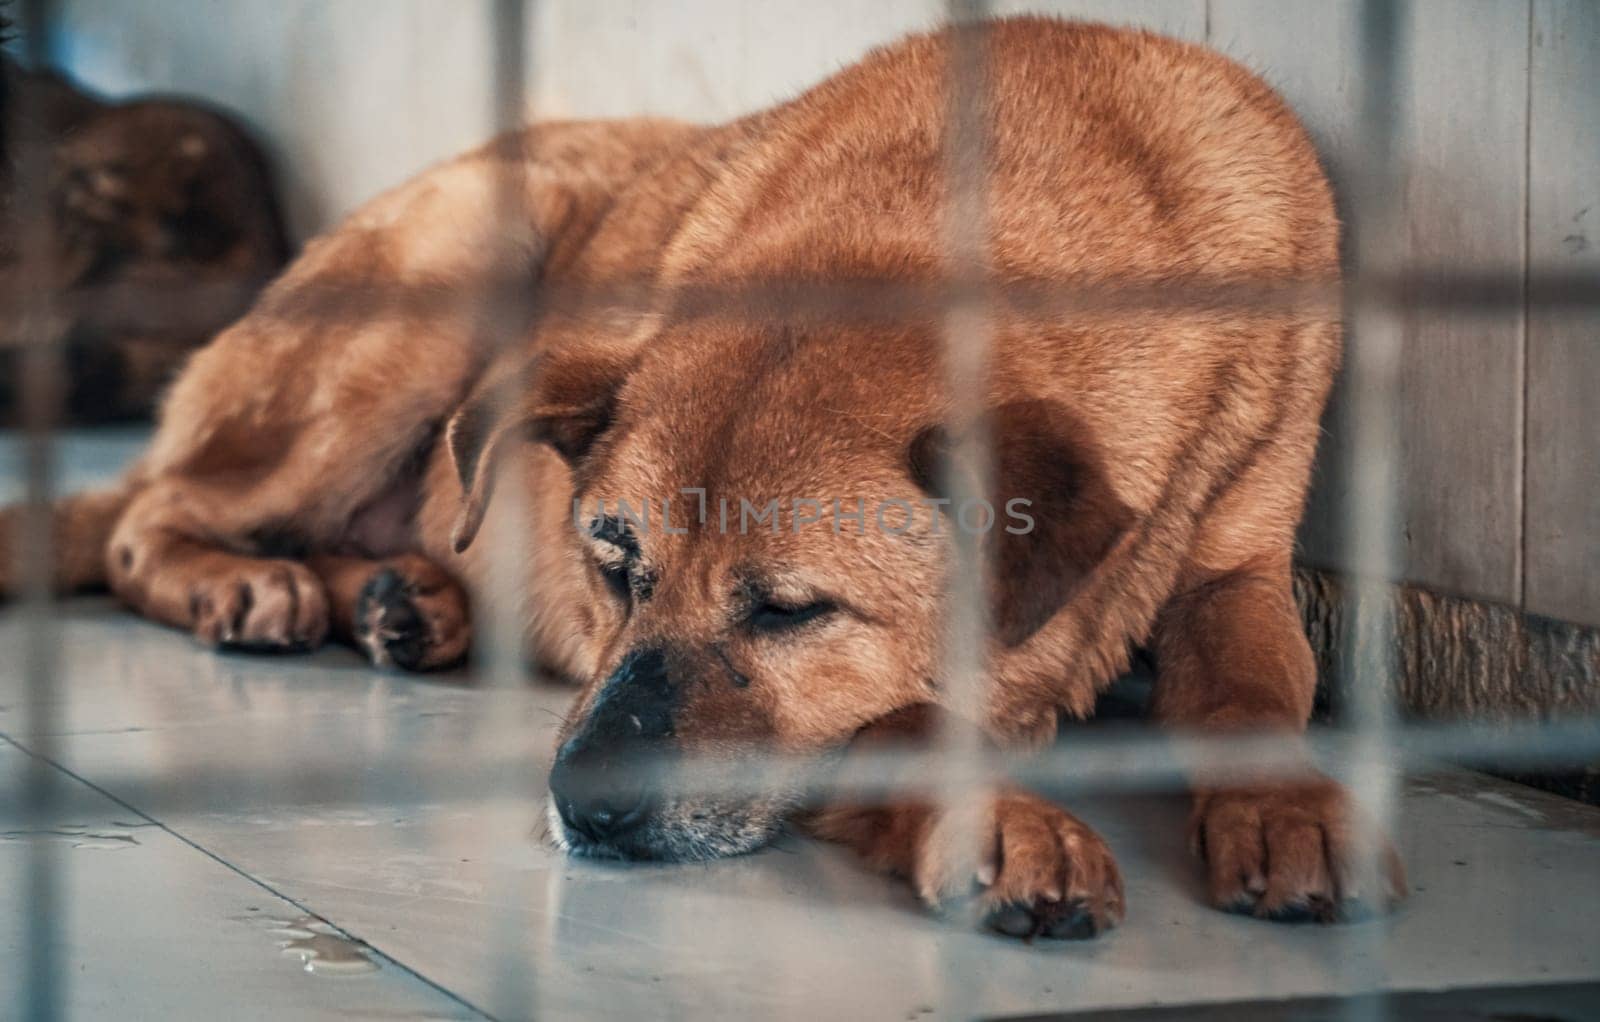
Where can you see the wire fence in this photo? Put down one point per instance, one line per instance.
(1370, 749)
(41, 378)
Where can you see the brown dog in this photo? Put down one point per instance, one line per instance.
(146, 195)
(299, 484)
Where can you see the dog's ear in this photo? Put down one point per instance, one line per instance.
(565, 401)
(1056, 515)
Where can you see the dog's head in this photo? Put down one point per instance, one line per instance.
(765, 548)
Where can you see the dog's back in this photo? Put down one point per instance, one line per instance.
(1116, 163)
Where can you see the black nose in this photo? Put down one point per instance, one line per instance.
(603, 775)
(600, 807)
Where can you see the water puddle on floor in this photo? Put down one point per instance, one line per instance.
(77, 835)
(322, 950)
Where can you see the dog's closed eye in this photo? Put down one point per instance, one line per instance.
(616, 557)
(616, 577)
(771, 616)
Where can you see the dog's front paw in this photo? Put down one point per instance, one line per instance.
(259, 605)
(1294, 853)
(412, 615)
(1040, 872)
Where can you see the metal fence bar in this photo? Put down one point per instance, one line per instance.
(865, 300)
(1371, 513)
(508, 532)
(42, 990)
(967, 334)
(1100, 763)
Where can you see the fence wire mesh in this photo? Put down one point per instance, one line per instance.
(1371, 748)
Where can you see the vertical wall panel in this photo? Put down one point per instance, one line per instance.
(1185, 19)
(702, 59)
(357, 95)
(1563, 481)
(1462, 126)
(1465, 138)
(349, 97)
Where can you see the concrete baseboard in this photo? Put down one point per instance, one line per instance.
(1463, 659)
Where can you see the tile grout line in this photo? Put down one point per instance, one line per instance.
(214, 857)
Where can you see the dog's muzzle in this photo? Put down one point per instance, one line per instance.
(610, 787)
(602, 784)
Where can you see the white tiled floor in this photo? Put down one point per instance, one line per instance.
(256, 790)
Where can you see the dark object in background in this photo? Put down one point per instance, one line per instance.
(165, 224)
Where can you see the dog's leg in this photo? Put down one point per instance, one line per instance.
(181, 577)
(1037, 870)
(403, 611)
(1232, 658)
(167, 560)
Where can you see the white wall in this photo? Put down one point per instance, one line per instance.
(355, 95)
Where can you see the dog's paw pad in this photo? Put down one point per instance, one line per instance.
(1053, 920)
(416, 625)
(387, 624)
